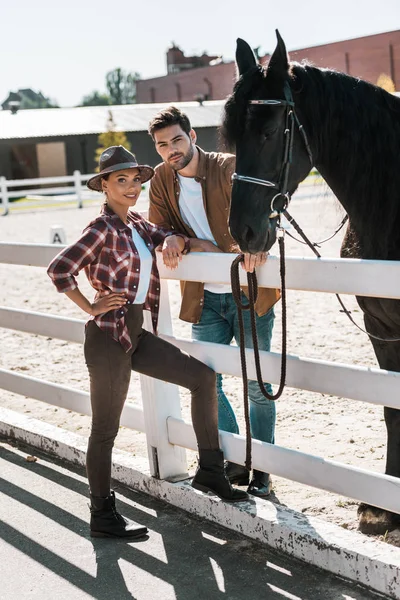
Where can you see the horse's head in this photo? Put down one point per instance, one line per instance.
(271, 154)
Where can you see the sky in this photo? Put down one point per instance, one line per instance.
(64, 49)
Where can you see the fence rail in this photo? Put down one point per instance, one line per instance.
(160, 418)
(365, 384)
(376, 278)
(72, 190)
(7, 185)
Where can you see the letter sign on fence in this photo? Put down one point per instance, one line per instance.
(57, 235)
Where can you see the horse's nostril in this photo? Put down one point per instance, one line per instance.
(248, 234)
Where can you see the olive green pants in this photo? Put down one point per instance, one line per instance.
(110, 372)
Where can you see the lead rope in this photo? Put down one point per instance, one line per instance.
(253, 293)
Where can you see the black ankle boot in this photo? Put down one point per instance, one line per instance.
(105, 520)
(237, 473)
(210, 477)
(260, 485)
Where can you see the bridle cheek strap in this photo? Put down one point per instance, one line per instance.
(281, 185)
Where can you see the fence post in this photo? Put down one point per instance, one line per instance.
(160, 401)
(4, 195)
(78, 187)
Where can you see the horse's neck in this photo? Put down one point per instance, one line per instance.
(350, 144)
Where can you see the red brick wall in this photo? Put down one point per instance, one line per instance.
(365, 57)
(191, 83)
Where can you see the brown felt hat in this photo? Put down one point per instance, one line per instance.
(118, 158)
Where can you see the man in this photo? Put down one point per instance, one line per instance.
(190, 193)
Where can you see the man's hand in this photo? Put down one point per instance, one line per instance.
(172, 250)
(251, 261)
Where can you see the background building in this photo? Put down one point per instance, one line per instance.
(26, 99)
(52, 142)
(365, 57)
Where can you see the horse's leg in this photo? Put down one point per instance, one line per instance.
(392, 419)
(372, 519)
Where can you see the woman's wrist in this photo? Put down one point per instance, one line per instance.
(184, 242)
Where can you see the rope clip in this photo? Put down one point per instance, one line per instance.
(280, 232)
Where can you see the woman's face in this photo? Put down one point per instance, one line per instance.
(123, 187)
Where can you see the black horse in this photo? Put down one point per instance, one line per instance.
(284, 119)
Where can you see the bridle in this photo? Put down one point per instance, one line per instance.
(282, 184)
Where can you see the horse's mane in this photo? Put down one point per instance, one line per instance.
(340, 105)
(354, 131)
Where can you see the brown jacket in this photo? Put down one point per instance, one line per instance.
(214, 174)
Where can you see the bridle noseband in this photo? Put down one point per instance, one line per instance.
(281, 185)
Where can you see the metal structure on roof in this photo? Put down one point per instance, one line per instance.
(84, 120)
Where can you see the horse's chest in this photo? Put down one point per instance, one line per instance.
(351, 247)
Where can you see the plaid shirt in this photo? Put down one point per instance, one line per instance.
(111, 261)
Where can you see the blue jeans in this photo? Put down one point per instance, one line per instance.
(219, 324)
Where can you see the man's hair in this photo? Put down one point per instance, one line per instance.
(167, 117)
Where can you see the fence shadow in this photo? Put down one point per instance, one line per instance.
(184, 558)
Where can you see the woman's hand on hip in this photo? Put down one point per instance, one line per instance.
(111, 301)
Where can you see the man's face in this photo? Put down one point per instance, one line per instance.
(175, 147)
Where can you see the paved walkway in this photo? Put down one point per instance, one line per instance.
(46, 552)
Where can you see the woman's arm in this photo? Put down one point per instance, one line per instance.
(174, 246)
(64, 268)
(172, 250)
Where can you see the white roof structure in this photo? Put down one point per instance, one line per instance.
(84, 120)
(56, 122)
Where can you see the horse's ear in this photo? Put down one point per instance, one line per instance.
(245, 58)
(279, 62)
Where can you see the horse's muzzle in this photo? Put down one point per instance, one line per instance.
(253, 239)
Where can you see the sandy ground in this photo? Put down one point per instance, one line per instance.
(336, 428)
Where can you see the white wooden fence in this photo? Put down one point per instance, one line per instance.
(72, 188)
(168, 435)
(54, 186)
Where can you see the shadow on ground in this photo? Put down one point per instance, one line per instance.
(44, 537)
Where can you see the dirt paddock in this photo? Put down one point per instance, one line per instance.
(335, 428)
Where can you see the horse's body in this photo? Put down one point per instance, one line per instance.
(353, 132)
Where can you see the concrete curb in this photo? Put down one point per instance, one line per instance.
(328, 546)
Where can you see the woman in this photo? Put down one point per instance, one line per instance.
(117, 251)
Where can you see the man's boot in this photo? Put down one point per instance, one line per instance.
(105, 520)
(260, 485)
(210, 477)
(237, 473)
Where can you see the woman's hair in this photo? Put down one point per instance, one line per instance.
(167, 117)
(106, 176)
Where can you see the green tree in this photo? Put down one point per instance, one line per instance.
(39, 102)
(121, 86)
(110, 138)
(96, 99)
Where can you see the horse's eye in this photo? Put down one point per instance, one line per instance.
(268, 134)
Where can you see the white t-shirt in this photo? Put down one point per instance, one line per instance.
(146, 261)
(192, 210)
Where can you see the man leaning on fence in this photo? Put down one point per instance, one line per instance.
(190, 193)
